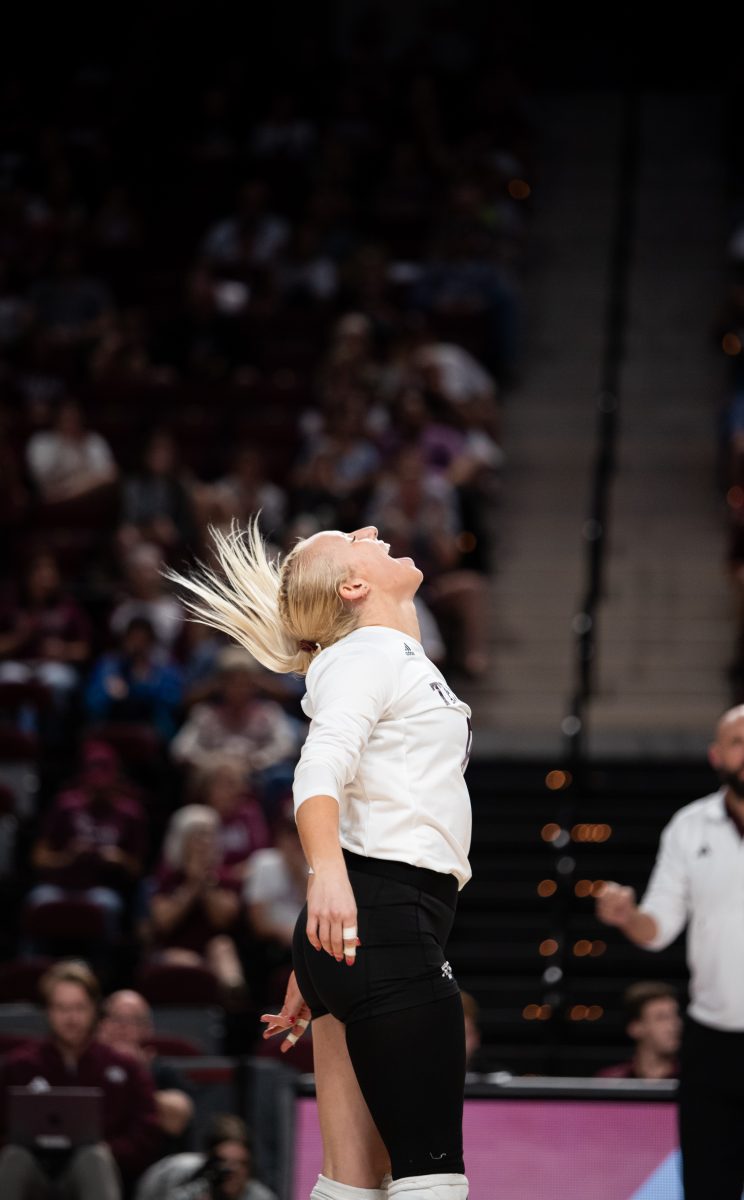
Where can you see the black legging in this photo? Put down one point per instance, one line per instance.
(402, 1011)
(411, 1069)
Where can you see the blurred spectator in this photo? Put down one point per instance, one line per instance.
(339, 465)
(242, 829)
(148, 597)
(464, 276)
(276, 885)
(253, 236)
(284, 133)
(478, 1059)
(71, 1056)
(242, 727)
(45, 635)
(156, 505)
(195, 904)
(213, 140)
(127, 1026)
(418, 512)
(224, 1170)
(655, 1026)
(452, 375)
(245, 492)
(15, 313)
(70, 305)
(116, 226)
(121, 357)
(305, 274)
(200, 649)
(136, 683)
(201, 338)
(68, 461)
(93, 840)
(350, 362)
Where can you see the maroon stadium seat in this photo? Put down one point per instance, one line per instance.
(65, 921)
(11, 1041)
(166, 1045)
(170, 984)
(134, 742)
(19, 980)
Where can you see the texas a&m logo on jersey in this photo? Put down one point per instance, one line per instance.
(448, 696)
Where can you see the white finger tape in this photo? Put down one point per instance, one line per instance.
(303, 1024)
(292, 1038)
(350, 951)
(349, 931)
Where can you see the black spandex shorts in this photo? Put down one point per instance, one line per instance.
(404, 918)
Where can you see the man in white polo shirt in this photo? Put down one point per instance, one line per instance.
(698, 881)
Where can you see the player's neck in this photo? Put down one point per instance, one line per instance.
(395, 614)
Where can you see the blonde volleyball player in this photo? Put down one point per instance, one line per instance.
(384, 816)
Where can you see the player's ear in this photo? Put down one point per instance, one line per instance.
(353, 590)
(714, 755)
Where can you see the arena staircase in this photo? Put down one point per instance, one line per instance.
(549, 433)
(665, 630)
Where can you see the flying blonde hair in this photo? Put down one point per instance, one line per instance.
(283, 612)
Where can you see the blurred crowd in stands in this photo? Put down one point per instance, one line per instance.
(229, 286)
(729, 336)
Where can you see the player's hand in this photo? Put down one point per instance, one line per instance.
(294, 1018)
(332, 915)
(616, 904)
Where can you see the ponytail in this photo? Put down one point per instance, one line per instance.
(283, 614)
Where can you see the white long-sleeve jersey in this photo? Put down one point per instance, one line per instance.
(389, 741)
(698, 881)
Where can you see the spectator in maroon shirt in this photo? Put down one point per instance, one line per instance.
(45, 636)
(655, 1026)
(72, 1057)
(242, 826)
(128, 1027)
(94, 839)
(196, 901)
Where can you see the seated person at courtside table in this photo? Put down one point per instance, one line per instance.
(655, 1026)
(127, 1026)
(224, 1169)
(72, 1056)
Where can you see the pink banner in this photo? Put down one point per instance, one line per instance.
(533, 1149)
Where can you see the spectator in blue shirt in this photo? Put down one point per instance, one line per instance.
(137, 683)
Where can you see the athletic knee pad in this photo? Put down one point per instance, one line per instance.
(331, 1189)
(429, 1187)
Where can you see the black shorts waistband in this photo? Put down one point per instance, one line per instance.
(696, 1029)
(434, 883)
